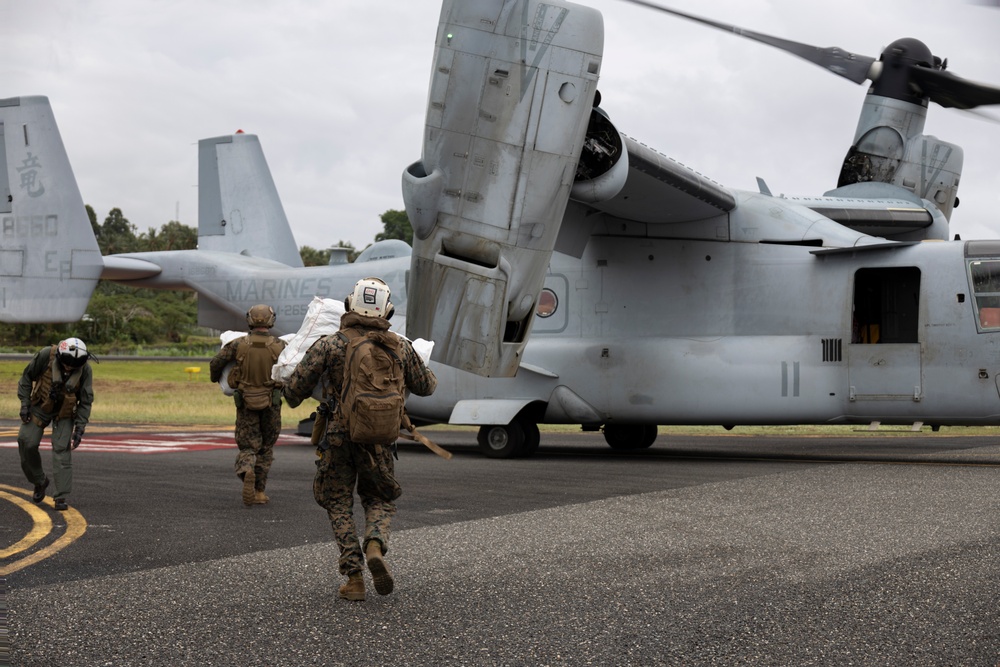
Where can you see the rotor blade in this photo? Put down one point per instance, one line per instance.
(949, 90)
(842, 63)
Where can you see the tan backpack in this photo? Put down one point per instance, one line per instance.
(372, 395)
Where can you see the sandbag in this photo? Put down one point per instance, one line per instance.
(322, 318)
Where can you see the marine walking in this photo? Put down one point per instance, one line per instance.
(257, 398)
(369, 369)
(56, 388)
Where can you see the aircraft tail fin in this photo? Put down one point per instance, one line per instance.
(49, 259)
(239, 210)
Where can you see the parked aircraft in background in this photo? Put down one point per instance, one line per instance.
(569, 273)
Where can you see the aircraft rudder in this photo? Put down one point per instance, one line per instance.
(49, 258)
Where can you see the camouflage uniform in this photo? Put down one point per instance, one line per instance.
(344, 463)
(63, 420)
(256, 430)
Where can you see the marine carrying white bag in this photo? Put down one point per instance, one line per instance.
(323, 319)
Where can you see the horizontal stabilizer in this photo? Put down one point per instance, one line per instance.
(121, 268)
(49, 258)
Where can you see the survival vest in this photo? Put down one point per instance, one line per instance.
(56, 397)
(256, 354)
(372, 394)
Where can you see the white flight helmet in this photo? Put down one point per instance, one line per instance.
(72, 352)
(370, 298)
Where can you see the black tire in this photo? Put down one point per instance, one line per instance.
(501, 441)
(532, 438)
(649, 434)
(626, 437)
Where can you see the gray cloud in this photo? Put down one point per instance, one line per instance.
(336, 93)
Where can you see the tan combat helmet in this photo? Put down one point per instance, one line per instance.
(261, 315)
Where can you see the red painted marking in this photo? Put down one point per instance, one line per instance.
(156, 443)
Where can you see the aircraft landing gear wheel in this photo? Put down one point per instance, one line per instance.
(624, 437)
(532, 438)
(501, 441)
(649, 434)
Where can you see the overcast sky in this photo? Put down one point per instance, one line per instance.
(336, 91)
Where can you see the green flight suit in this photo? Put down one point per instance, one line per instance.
(73, 397)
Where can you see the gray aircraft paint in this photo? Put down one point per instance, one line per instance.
(49, 258)
(677, 300)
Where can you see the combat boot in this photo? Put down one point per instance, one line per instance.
(354, 589)
(376, 565)
(260, 498)
(249, 479)
(39, 494)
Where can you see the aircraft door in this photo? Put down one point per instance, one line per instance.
(884, 358)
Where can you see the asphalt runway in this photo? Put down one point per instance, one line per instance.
(734, 550)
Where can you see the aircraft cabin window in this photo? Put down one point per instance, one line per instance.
(984, 275)
(886, 305)
(548, 302)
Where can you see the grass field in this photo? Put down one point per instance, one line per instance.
(180, 393)
(151, 392)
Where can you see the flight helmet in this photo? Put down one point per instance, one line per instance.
(370, 298)
(72, 353)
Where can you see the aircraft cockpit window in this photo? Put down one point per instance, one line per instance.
(985, 277)
(548, 302)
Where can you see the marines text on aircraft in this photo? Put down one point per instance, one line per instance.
(570, 274)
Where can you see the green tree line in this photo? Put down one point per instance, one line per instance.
(122, 319)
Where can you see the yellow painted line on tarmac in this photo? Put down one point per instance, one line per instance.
(42, 524)
(76, 526)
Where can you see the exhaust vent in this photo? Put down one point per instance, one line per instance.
(833, 349)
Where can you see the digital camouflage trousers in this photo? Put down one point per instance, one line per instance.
(369, 467)
(256, 433)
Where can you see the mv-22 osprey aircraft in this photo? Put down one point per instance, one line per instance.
(569, 273)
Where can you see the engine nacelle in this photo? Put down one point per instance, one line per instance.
(889, 148)
(603, 167)
(510, 98)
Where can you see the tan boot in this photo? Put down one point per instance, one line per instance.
(354, 589)
(260, 498)
(380, 571)
(248, 491)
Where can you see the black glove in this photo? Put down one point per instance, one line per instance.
(25, 414)
(77, 436)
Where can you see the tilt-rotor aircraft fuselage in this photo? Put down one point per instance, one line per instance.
(568, 273)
